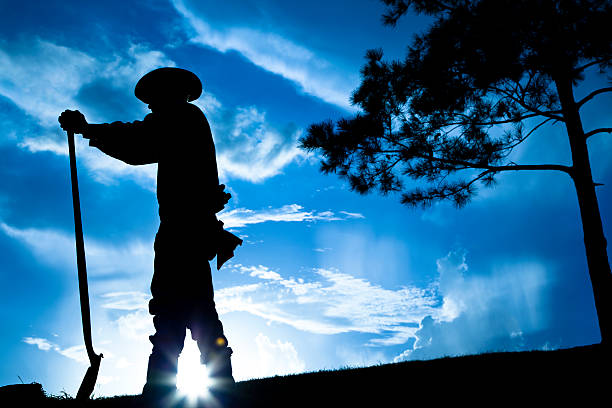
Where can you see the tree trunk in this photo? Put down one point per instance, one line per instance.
(594, 239)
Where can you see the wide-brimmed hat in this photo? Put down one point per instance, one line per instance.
(168, 83)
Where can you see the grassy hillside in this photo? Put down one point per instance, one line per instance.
(579, 376)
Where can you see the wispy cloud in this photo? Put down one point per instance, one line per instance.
(56, 248)
(352, 215)
(483, 312)
(337, 303)
(126, 300)
(134, 324)
(297, 286)
(456, 313)
(274, 53)
(76, 353)
(459, 312)
(101, 167)
(276, 358)
(43, 78)
(42, 344)
(250, 148)
(241, 217)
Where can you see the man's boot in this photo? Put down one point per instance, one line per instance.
(160, 389)
(219, 367)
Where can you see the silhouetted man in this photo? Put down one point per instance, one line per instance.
(177, 136)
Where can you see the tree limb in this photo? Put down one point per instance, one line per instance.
(592, 95)
(497, 169)
(451, 191)
(536, 111)
(590, 64)
(596, 131)
(522, 139)
(494, 122)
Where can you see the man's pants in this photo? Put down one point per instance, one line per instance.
(183, 299)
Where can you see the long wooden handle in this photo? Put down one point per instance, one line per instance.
(80, 252)
(89, 381)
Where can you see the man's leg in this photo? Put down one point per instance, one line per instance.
(170, 325)
(215, 354)
(168, 342)
(207, 331)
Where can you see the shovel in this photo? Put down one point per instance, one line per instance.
(89, 381)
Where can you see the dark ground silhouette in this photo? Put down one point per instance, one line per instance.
(579, 376)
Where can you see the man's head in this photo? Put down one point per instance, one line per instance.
(168, 86)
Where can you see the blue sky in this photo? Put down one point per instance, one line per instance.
(326, 278)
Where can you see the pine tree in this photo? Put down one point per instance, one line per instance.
(482, 79)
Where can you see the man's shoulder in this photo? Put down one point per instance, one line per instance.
(195, 115)
(191, 113)
(193, 110)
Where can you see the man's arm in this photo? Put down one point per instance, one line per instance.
(133, 143)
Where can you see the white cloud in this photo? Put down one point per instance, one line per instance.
(136, 326)
(43, 79)
(42, 344)
(53, 247)
(208, 103)
(276, 54)
(483, 312)
(267, 358)
(373, 309)
(298, 287)
(277, 358)
(261, 272)
(250, 148)
(125, 70)
(352, 215)
(360, 357)
(265, 302)
(126, 300)
(241, 217)
(57, 248)
(44, 144)
(76, 353)
(337, 303)
(107, 170)
(458, 313)
(101, 167)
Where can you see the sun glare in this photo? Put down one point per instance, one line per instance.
(192, 380)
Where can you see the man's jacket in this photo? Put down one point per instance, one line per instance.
(180, 141)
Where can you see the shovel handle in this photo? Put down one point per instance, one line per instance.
(82, 270)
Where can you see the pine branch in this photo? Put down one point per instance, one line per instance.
(596, 131)
(459, 192)
(590, 64)
(468, 120)
(497, 169)
(536, 111)
(522, 139)
(592, 95)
